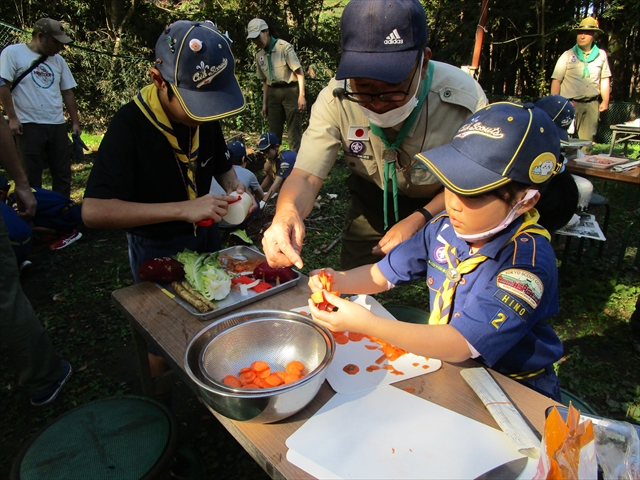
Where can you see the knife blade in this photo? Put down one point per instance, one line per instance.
(507, 471)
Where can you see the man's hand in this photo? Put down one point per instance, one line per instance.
(264, 111)
(282, 242)
(75, 128)
(302, 103)
(26, 201)
(401, 231)
(604, 106)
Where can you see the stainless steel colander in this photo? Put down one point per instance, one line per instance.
(274, 336)
(276, 341)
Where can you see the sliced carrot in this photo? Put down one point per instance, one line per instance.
(259, 366)
(264, 373)
(261, 383)
(295, 366)
(274, 380)
(251, 385)
(247, 377)
(232, 381)
(291, 377)
(245, 369)
(355, 336)
(280, 374)
(340, 338)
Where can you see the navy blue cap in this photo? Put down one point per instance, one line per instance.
(196, 59)
(267, 140)
(561, 112)
(381, 39)
(237, 149)
(500, 143)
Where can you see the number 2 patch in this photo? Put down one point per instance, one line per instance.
(498, 319)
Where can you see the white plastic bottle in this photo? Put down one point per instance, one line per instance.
(237, 211)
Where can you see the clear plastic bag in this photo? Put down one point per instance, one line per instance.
(617, 449)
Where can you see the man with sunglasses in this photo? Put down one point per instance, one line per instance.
(37, 83)
(388, 102)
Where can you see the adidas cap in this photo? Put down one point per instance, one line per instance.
(381, 39)
(498, 144)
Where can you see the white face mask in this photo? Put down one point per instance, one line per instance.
(397, 115)
(504, 224)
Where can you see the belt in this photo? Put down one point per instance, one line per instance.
(283, 85)
(585, 100)
(531, 373)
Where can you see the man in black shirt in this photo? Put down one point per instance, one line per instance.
(156, 161)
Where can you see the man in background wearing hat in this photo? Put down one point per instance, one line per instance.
(277, 166)
(155, 164)
(388, 102)
(282, 82)
(582, 75)
(37, 83)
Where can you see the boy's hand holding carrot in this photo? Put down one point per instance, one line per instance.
(348, 316)
(318, 279)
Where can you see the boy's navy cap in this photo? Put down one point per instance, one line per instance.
(500, 143)
(237, 149)
(561, 112)
(52, 27)
(196, 59)
(267, 140)
(381, 39)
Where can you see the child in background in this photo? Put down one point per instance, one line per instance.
(489, 266)
(278, 165)
(238, 153)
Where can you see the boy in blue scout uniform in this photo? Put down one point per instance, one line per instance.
(278, 166)
(490, 268)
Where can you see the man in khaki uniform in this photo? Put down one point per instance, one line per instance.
(582, 75)
(388, 102)
(282, 82)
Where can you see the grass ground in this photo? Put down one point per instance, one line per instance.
(70, 289)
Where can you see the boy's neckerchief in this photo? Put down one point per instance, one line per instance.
(390, 154)
(267, 52)
(441, 311)
(593, 54)
(147, 100)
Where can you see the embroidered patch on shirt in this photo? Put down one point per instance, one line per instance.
(356, 147)
(498, 319)
(521, 283)
(358, 133)
(513, 303)
(440, 255)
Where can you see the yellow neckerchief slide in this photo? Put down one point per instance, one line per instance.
(440, 314)
(147, 100)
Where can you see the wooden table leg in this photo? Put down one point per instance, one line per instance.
(613, 142)
(143, 363)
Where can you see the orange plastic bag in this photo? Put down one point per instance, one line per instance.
(568, 449)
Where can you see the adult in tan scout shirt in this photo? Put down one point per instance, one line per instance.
(282, 82)
(388, 102)
(582, 75)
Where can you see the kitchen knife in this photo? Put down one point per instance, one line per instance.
(507, 471)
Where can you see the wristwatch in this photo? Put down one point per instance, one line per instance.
(425, 213)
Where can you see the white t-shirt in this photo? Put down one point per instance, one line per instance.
(37, 97)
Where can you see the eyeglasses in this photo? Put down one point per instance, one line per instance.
(389, 97)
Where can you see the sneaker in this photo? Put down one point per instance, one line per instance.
(242, 235)
(65, 240)
(25, 267)
(45, 397)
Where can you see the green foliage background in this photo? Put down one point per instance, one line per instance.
(115, 41)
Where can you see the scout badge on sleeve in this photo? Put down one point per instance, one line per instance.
(568, 449)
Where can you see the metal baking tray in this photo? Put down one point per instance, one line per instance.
(235, 299)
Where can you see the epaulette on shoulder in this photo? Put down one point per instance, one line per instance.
(524, 248)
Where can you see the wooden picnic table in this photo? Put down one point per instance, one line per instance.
(159, 321)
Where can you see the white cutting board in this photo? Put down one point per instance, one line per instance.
(357, 353)
(389, 433)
